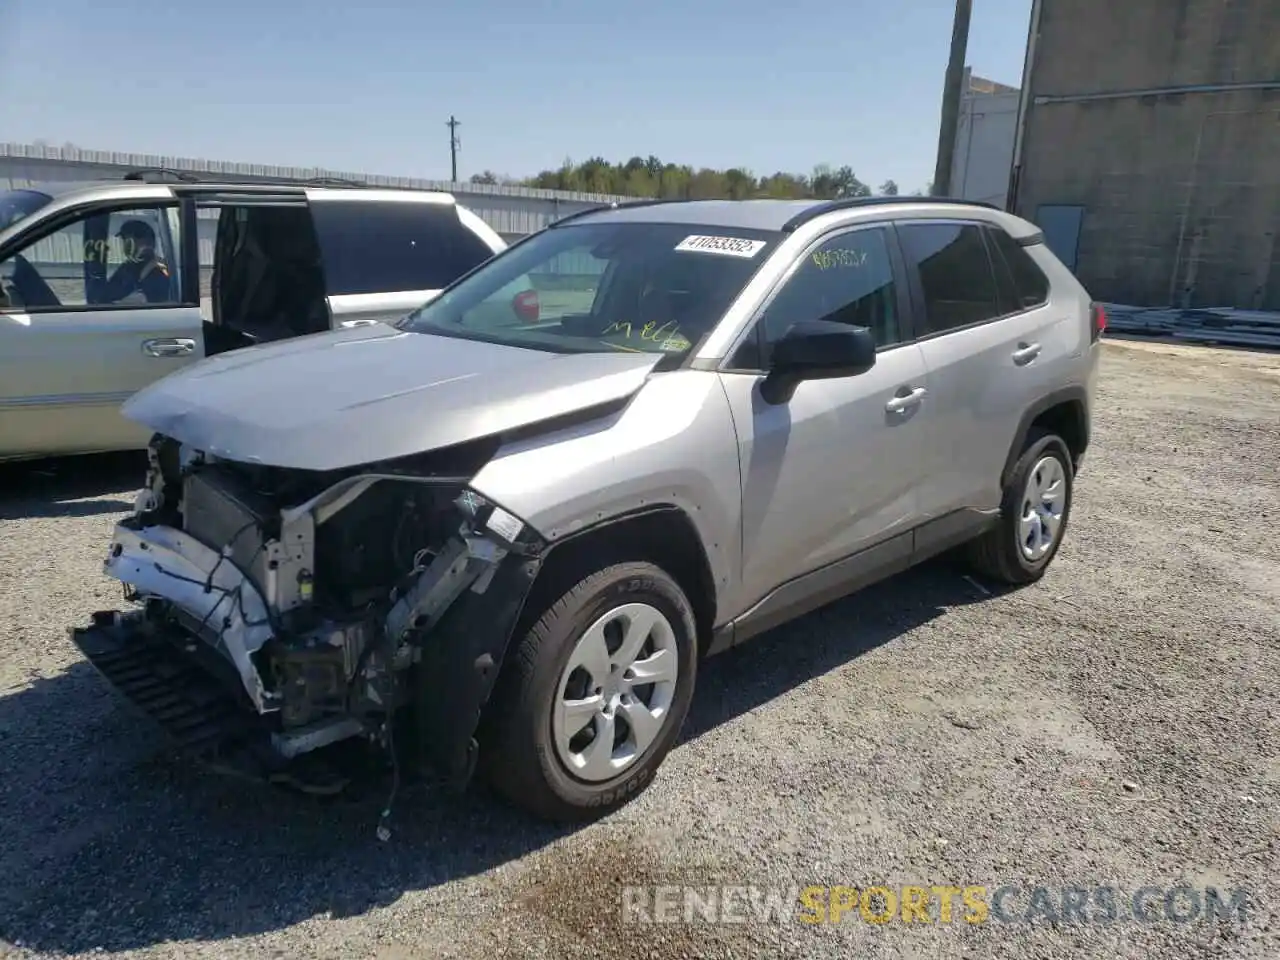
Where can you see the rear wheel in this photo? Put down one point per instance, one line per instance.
(594, 695)
(1033, 514)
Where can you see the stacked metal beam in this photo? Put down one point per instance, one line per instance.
(1222, 325)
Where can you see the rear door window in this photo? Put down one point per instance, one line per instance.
(1028, 286)
(955, 273)
(391, 246)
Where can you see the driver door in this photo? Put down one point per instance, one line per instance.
(830, 478)
(72, 353)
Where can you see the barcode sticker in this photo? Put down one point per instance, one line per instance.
(724, 246)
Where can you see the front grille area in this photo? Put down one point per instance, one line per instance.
(218, 509)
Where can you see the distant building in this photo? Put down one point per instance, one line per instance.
(1150, 147)
(978, 85)
(985, 132)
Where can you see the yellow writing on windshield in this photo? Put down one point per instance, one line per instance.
(829, 259)
(666, 335)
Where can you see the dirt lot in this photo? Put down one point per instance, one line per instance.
(1116, 725)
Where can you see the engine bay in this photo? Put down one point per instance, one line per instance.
(320, 590)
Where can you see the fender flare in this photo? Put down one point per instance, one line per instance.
(1072, 394)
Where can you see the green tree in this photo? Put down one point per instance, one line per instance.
(651, 177)
(889, 189)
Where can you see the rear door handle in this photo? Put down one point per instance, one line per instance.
(1025, 353)
(175, 347)
(906, 401)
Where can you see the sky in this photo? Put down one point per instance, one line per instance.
(368, 87)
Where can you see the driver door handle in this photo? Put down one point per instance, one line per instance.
(1025, 353)
(169, 347)
(363, 322)
(906, 401)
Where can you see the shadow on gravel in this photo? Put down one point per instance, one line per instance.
(774, 663)
(121, 849)
(63, 487)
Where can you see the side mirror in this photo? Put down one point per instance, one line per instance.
(817, 350)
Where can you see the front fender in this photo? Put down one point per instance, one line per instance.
(673, 444)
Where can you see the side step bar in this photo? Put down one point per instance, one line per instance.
(188, 702)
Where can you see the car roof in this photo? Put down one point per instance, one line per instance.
(59, 189)
(747, 214)
(787, 215)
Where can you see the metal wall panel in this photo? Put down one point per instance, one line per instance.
(1161, 120)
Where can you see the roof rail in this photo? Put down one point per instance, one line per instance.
(329, 182)
(616, 205)
(156, 174)
(845, 203)
(161, 174)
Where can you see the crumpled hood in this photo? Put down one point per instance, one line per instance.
(349, 397)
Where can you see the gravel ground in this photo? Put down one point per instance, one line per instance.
(1117, 724)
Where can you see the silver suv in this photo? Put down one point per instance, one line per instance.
(107, 286)
(472, 537)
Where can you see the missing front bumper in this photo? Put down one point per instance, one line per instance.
(161, 673)
(173, 681)
(227, 679)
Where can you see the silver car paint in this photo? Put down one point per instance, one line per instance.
(673, 444)
(768, 492)
(73, 405)
(786, 525)
(809, 501)
(350, 397)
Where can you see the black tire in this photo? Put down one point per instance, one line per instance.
(997, 554)
(517, 753)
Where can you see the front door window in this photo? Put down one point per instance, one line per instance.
(106, 259)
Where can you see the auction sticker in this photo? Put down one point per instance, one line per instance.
(725, 246)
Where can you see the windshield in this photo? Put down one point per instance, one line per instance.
(602, 287)
(16, 204)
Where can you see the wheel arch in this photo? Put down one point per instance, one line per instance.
(663, 534)
(1064, 412)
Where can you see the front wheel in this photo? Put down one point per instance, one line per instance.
(593, 696)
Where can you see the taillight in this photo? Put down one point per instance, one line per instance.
(1098, 321)
(525, 304)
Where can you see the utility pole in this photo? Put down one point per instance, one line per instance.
(454, 144)
(951, 97)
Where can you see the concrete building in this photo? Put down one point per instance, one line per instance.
(985, 131)
(1149, 148)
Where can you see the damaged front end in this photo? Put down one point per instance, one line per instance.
(282, 611)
